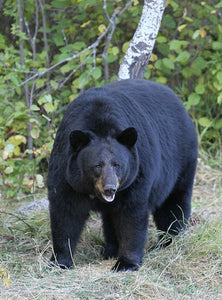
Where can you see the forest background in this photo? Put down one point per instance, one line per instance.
(52, 51)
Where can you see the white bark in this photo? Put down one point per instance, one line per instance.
(139, 51)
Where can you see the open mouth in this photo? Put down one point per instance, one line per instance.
(107, 192)
(108, 197)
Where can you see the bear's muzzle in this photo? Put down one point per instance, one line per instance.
(106, 191)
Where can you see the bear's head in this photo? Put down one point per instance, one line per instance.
(102, 166)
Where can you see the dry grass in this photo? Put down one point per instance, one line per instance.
(191, 268)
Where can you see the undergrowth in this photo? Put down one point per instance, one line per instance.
(190, 268)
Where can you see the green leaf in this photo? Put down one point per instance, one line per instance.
(174, 5)
(35, 133)
(111, 58)
(34, 107)
(219, 76)
(18, 115)
(60, 3)
(96, 73)
(219, 5)
(183, 57)
(17, 139)
(161, 39)
(79, 46)
(218, 124)
(158, 64)
(199, 64)
(177, 45)
(101, 28)
(161, 80)
(66, 68)
(2, 42)
(168, 22)
(194, 99)
(62, 56)
(45, 99)
(219, 98)
(217, 46)
(205, 122)
(14, 78)
(34, 121)
(168, 63)
(196, 34)
(125, 46)
(181, 27)
(217, 86)
(163, 49)
(49, 107)
(186, 72)
(200, 89)
(8, 170)
(54, 84)
(115, 50)
(58, 40)
(40, 83)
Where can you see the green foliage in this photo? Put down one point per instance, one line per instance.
(61, 61)
(187, 57)
(72, 26)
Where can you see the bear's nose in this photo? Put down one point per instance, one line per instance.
(109, 189)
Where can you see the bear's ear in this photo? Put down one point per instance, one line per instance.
(78, 140)
(128, 137)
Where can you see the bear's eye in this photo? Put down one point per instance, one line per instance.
(115, 165)
(98, 167)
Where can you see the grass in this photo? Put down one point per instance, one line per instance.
(191, 268)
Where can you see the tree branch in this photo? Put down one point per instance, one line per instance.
(45, 42)
(112, 21)
(116, 14)
(26, 89)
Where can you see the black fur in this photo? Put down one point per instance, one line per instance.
(138, 132)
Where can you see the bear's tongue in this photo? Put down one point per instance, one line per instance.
(108, 198)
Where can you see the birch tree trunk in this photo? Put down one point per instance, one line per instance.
(139, 51)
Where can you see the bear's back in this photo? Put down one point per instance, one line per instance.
(153, 109)
(146, 105)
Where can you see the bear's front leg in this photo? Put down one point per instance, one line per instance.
(131, 231)
(111, 248)
(67, 217)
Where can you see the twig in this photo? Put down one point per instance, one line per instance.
(45, 42)
(112, 21)
(73, 71)
(32, 39)
(26, 88)
(105, 51)
(19, 218)
(105, 10)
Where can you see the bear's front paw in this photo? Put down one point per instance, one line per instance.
(62, 263)
(123, 265)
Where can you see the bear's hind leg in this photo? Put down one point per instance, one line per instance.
(173, 215)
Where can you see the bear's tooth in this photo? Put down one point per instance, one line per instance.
(108, 198)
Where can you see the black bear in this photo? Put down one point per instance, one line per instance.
(127, 150)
